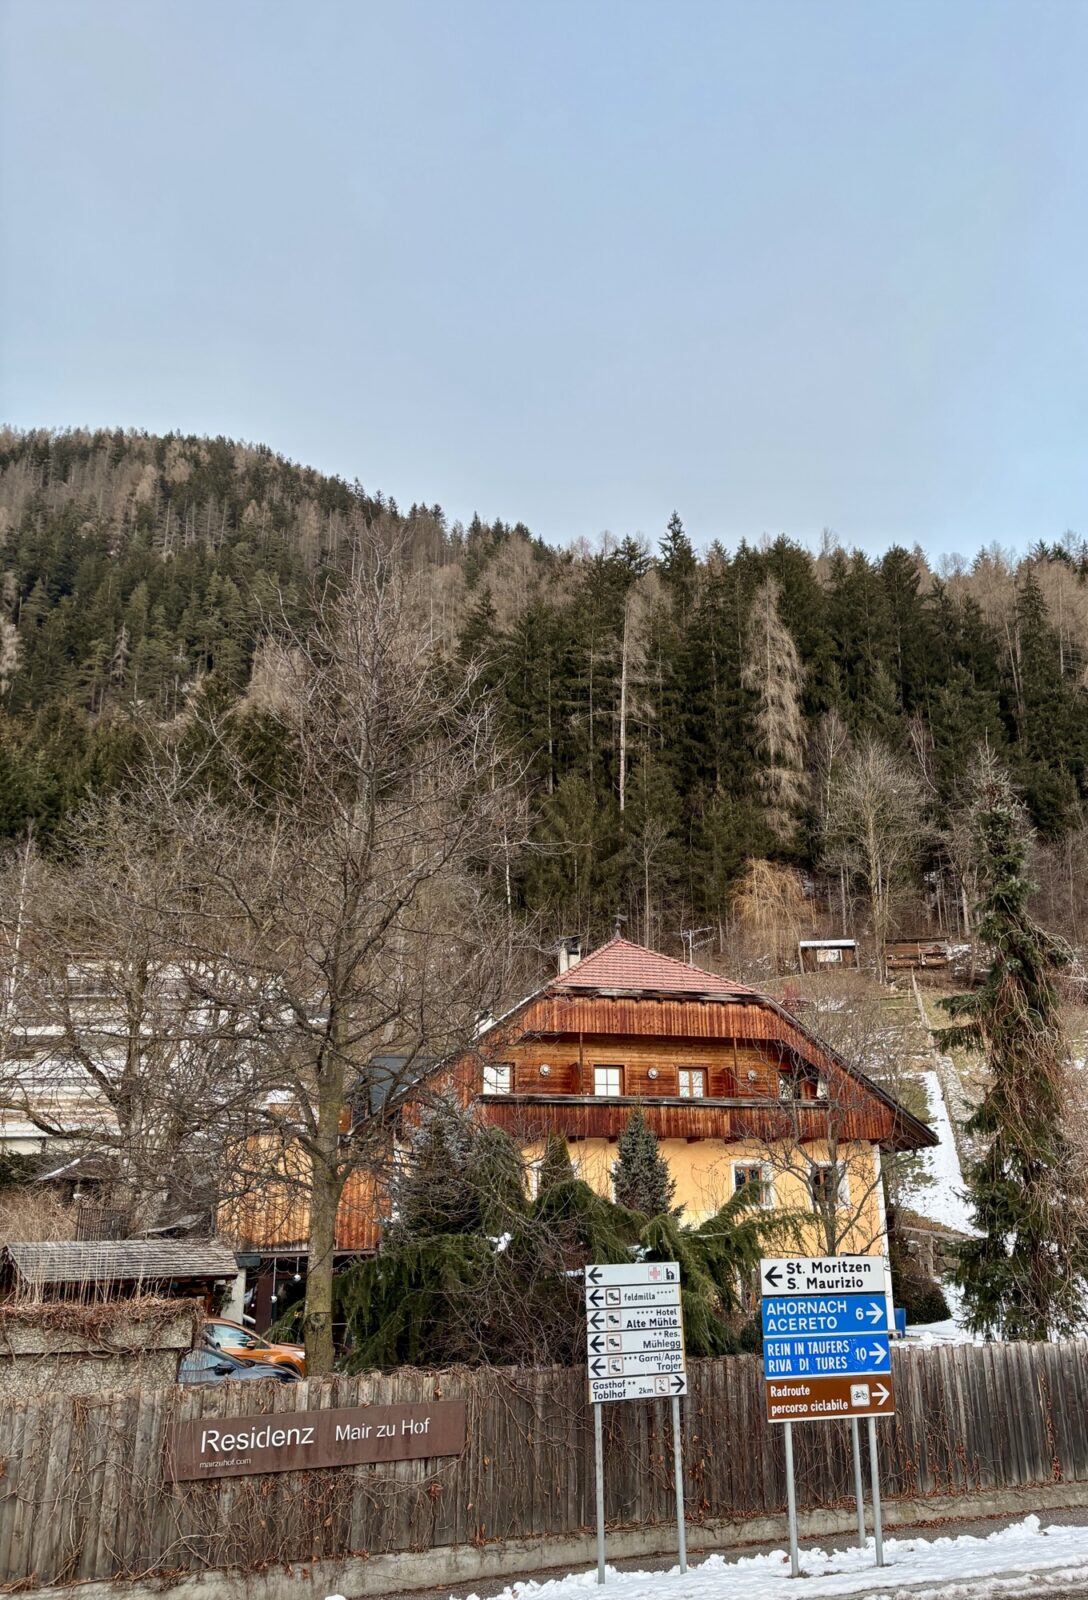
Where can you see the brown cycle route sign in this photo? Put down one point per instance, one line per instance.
(827, 1399)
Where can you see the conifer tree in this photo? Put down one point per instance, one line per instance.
(1024, 1276)
(641, 1177)
(556, 1166)
(678, 562)
(772, 672)
(430, 1195)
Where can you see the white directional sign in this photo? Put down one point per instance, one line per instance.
(634, 1331)
(659, 1388)
(822, 1275)
(619, 1297)
(633, 1272)
(632, 1341)
(646, 1319)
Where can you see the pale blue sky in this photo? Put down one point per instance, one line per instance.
(779, 265)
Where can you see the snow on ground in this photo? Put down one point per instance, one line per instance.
(938, 1191)
(950, 1330)
(951, 1565)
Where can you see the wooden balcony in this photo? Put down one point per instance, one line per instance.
(529, 1118)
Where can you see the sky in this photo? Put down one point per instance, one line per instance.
(780, 266)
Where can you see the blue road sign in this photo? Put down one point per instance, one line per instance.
(834, 1355)
(812, 1315)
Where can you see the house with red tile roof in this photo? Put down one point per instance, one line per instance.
(737, 1090)
(735, 1087)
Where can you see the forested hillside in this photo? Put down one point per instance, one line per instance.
(682, 713)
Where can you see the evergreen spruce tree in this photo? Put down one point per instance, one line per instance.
(495, 1174)
(556, 1166)
(430, 1192)
(1024, 1276)
(641, 1177)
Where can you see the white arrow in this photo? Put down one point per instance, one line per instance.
(876, 1313)
(881, 1393)
(877, 1352)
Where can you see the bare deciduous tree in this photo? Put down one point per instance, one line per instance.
(874, 828)
(812, 1154)
(769, 904)
(638, 606)
(772, 671)
(347, 892)
(112, 1052)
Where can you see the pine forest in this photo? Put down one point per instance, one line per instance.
(710, 739)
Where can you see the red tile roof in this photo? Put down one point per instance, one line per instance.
(625, 966)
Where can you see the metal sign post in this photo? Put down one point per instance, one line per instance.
(859, 1492)
(827, 1357)
(598, 1480)
(874, 1469)
(791, 1502)
(635, 1351)
(678, 1474)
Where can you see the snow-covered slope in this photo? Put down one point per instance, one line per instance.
(937, 1192)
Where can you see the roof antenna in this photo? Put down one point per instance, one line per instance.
(618, 922)
(694, 939)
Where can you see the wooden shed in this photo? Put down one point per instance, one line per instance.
(826, 955)
(104, 1269)
(917, 955)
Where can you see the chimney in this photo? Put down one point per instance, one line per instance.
(570, 952)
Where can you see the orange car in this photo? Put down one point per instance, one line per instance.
(239, 1342)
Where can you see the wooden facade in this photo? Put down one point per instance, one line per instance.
(271, 1212)
(916, 955)
(762, 1074)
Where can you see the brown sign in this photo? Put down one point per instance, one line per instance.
(826, 1399)
(287, 1441)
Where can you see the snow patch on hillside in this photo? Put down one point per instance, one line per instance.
(937, 1191)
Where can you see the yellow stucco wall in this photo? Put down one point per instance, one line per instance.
(704, 1175)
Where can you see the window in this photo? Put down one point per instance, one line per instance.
(787, 1085)
(607, 1080)
(755, 1174)
(498, 1076)
(224, 1337)
(827, 1185)
(692, 1083)
(198, 1366)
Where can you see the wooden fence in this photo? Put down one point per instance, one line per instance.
(82, 1493)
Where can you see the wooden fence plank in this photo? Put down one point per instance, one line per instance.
(83, 1495)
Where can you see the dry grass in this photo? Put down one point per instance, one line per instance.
(98, 1320)
(32, 1215)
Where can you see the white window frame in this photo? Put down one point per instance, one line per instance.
(842, 1200)
(498, 1077)
(766, 1187)
(690, 1073)
(607, 1091)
